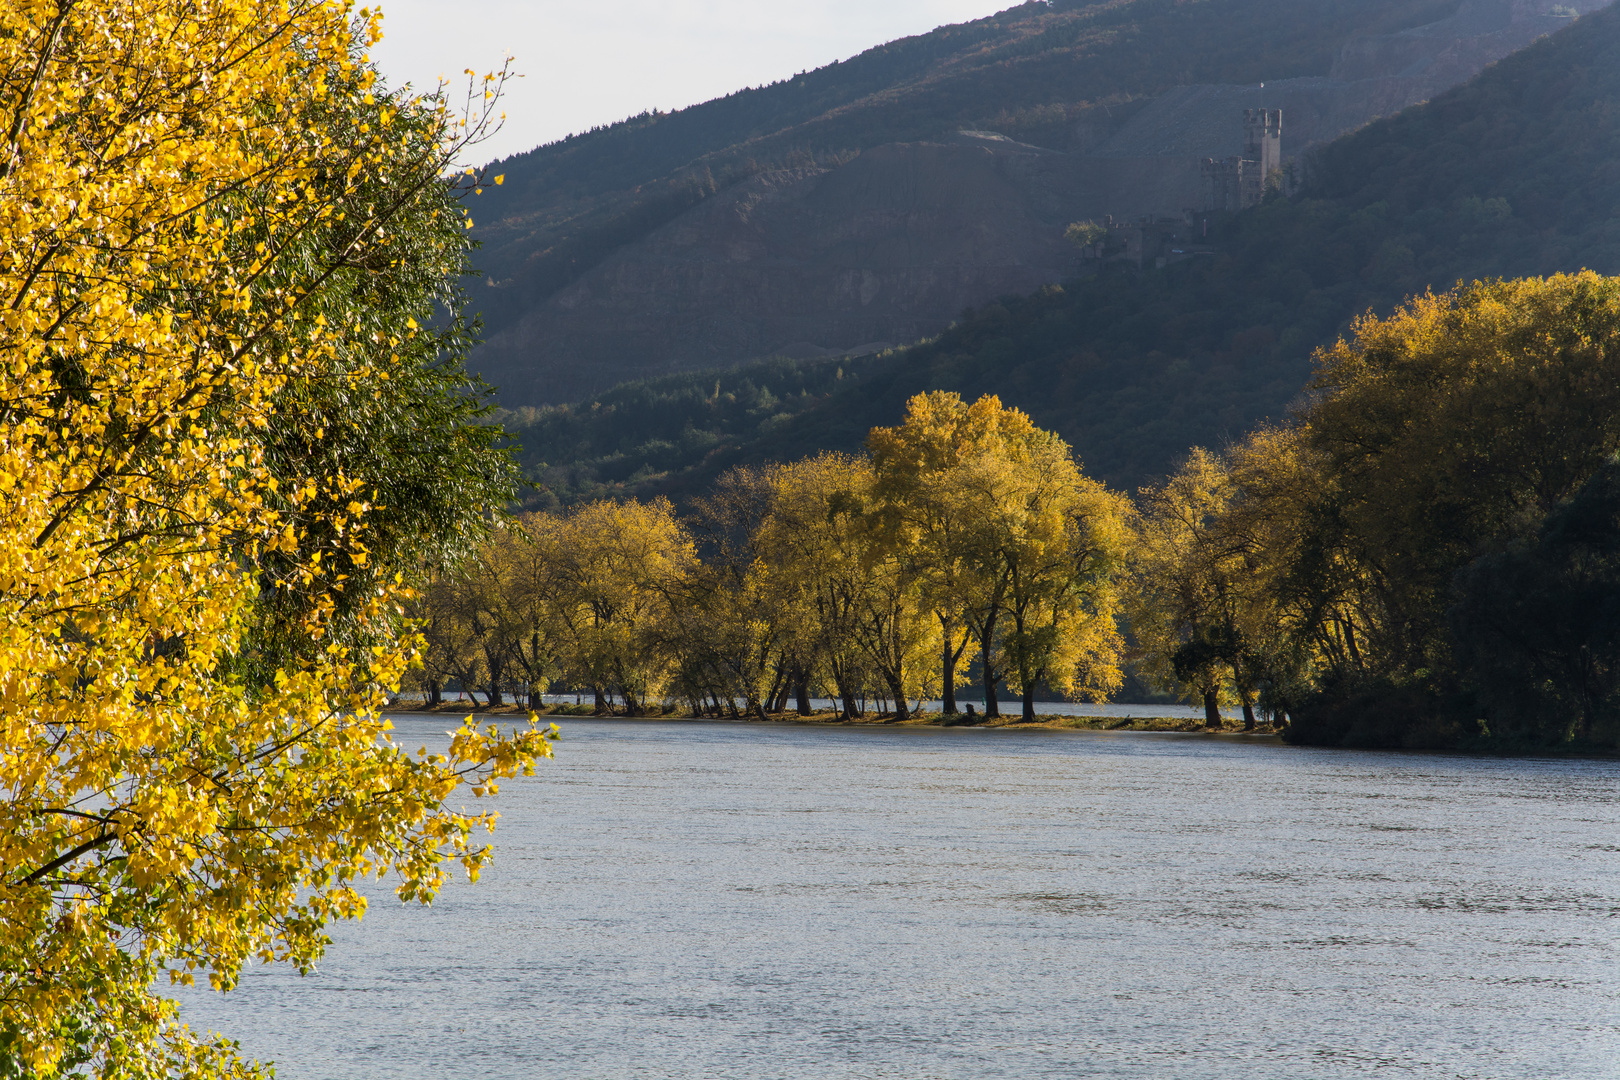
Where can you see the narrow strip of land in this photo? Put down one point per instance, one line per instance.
(831, 718)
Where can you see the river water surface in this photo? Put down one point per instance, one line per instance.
(712, 900)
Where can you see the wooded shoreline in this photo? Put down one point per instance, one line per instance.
(1423, 556)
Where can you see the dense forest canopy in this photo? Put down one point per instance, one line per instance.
(1513, 173)
(639, 434)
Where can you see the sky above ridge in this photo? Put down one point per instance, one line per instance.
(592, 63)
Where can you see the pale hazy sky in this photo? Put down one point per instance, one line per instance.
(587, 62)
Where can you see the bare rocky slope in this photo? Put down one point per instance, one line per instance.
(848, 250)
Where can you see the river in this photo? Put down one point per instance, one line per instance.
(697, 900)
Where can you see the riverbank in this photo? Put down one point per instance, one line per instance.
(830, 718)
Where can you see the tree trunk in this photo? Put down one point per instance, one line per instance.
(948, 684)
(992, 680)
(987, 639)
(435, 693)
(1248, 717)
(601, 700)
(776, 700)
(850, 711)
(902, 711)
(801, 689)
(1350, 641)
(1029, 702)
(1212, 710)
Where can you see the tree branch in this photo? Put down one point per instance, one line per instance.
(13, 137)
(101, 840)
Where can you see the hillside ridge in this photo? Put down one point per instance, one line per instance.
(1514, 173)
(829, 233)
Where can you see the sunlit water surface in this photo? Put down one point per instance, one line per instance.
(714, 900)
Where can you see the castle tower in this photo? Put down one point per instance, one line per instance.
(1262, 145)
(1239, 182)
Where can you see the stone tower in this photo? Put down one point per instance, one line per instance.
(1262, 151)
(1262, 137)
(1240, 182)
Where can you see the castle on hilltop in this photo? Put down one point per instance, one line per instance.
(1238, 182)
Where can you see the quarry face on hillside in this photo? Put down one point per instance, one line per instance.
(891, 246)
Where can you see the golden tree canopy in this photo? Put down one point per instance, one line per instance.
(176, 211)
(1003, 527)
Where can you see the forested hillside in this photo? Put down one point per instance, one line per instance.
(869, 201)
(1517, 172)
(1034, 69)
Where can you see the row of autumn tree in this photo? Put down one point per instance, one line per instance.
(964, 533)
(1427, 553)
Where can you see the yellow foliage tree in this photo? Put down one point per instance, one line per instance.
(734, 636)
(527, 624)
(1462, 418)
(941, 480)
(1063, 539)
(616, 570)
(486, 590)
(1216, 610)
(1292, 632)
(865, 600)
(450, 648)
(175, 213)
(1191, 574)
(997, 522)
(1449, 431)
